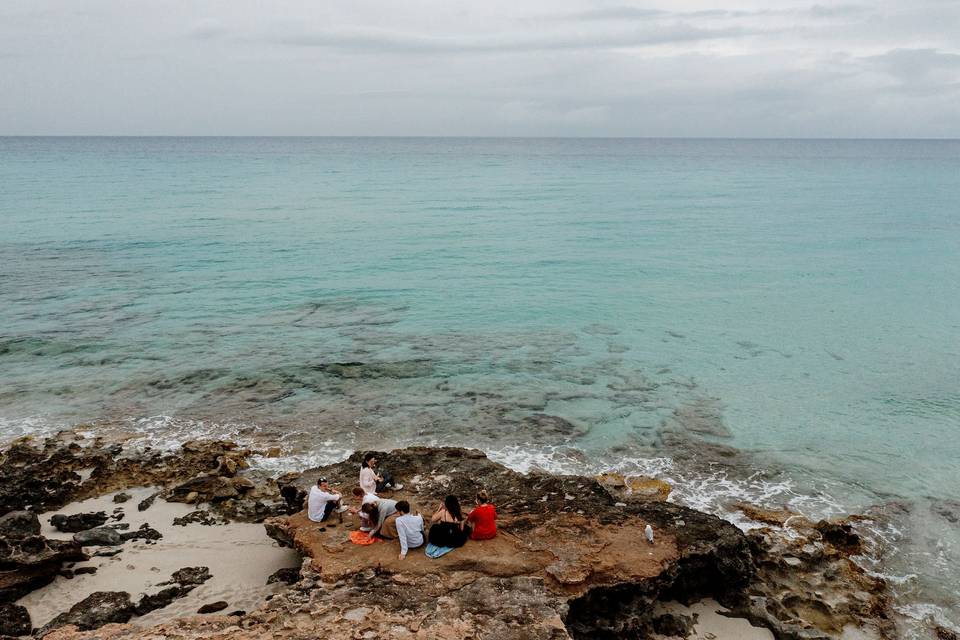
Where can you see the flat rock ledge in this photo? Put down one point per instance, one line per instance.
(570, 561)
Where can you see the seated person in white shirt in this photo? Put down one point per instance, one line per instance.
(322, 501)
(409, 528)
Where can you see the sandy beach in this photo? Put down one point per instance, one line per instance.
(712, 624)
(239, 555)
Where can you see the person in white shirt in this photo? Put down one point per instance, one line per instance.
(373, 482)
(322, 501)
(409, 528)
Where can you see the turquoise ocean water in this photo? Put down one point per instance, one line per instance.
(771, 320)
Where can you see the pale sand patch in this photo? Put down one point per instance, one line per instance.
(711, 625)
(240, 556)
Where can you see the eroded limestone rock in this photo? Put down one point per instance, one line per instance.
(94, 611)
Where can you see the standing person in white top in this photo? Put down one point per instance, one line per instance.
(409, 529)
(322, 501)
(373, 482)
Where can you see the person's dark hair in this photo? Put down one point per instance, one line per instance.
(482, 496)
(453, 507)
(358, 492)
(320, 481)
(367, 458)
(403, 506)
(371, 510)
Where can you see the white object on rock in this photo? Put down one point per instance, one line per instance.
(648, 531)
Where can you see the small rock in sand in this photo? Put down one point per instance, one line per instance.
(101, 536)
(147, 502)
(288, 575)
(78, 522)
(213, 607)
(145, 532)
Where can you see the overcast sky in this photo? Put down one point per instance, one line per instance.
(889, 68)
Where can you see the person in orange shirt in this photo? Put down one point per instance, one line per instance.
(483, 518)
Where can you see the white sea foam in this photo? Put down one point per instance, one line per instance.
(712, 491)
(36, 426)
(924, 615)
(167, 433)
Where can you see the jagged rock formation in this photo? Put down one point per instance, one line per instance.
(45, 475)
(28, 560)
(105, 607)
(571, 560)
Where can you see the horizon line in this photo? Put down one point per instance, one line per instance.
(485, 137)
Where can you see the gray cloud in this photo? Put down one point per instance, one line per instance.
(919, 72)
(380, 41)
(629, 12)
(450, 67)
(916, 64)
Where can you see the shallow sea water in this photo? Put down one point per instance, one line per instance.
(569, 304)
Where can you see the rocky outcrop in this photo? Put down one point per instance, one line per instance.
(29, 561)
(105, 607)
(94, 611)
(180, 584)
(14, 620)
(570, 560)
(809, 587)
(18, 525)
(45, 475)
(570, 553)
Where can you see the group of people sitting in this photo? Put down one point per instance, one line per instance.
(386, 519)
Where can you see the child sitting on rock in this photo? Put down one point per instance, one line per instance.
(378, 512)
(366, 524)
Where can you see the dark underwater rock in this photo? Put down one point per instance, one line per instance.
(372, 370)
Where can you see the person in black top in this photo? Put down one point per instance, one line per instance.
(448, 527)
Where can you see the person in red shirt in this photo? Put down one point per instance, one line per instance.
(483, 518)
